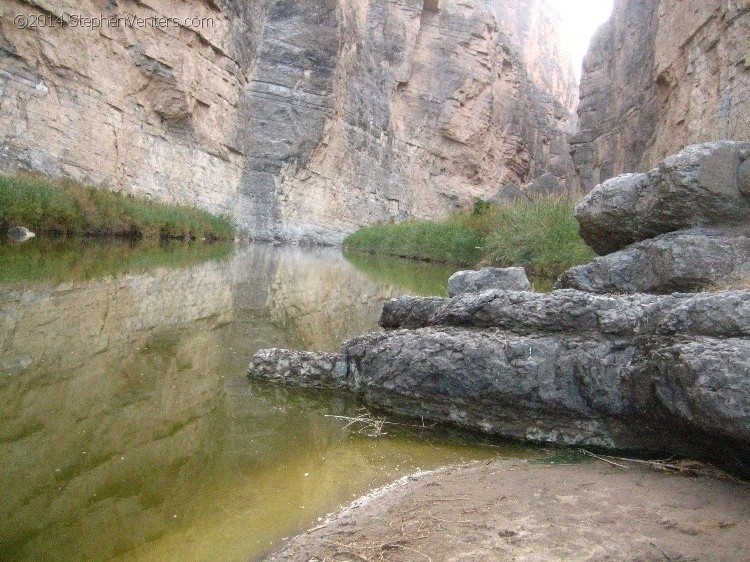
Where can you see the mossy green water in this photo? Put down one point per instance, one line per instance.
(540, 235)
(55, 206)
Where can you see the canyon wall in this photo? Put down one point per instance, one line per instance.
(659, 76)
(301, 120)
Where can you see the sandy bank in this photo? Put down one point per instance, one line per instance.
(515, 510)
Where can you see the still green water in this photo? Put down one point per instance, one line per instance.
(128, 429)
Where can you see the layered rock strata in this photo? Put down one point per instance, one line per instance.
(659, 76)
(703, 185)
(683, 226)
(655, 374)
(301, 120)
(689, 261)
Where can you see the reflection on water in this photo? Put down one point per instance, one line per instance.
(54, 260)
(415, 278)
(128, 430)
(419, 278)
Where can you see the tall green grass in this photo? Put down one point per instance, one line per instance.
(452, 241)
(53, 206)
(540, 235)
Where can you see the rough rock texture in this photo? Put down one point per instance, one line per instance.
(703, 185)
(684, 261)
(660, 374)
(724, 315)
(546, 184)
(683, 226)
(302, 120)
(505, 278)
(303, 368)
(659, 76)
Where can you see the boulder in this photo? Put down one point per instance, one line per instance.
(679, 261)
(20, 234)
(653, 374)
(704, 185)
(508, 279)
(546, 184)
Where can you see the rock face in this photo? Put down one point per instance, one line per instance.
(703, 185)
(690, 260)
(638, 221)
(646, 373)
(659, 76)
(302, 120)
(504, 279)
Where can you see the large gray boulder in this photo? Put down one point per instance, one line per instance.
(704, 185)
(679, 261)
(20, 234)
(659, 374)
(508, 279)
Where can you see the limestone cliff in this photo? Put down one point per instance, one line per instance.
(302, 120)
(659, 76)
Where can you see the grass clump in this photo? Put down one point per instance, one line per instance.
(53, 206)
(540, 235)
(452, 241)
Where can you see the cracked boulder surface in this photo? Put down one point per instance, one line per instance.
(653, 374)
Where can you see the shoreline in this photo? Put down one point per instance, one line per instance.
(519, 510)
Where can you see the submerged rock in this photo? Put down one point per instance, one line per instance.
(508, 279)
(20, 234)
(700, 186)
(660, 374)
(679, 261)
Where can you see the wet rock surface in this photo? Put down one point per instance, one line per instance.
(661, 374)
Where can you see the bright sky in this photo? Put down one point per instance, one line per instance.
(581, 18)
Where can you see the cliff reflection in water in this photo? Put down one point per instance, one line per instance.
(127, 427)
